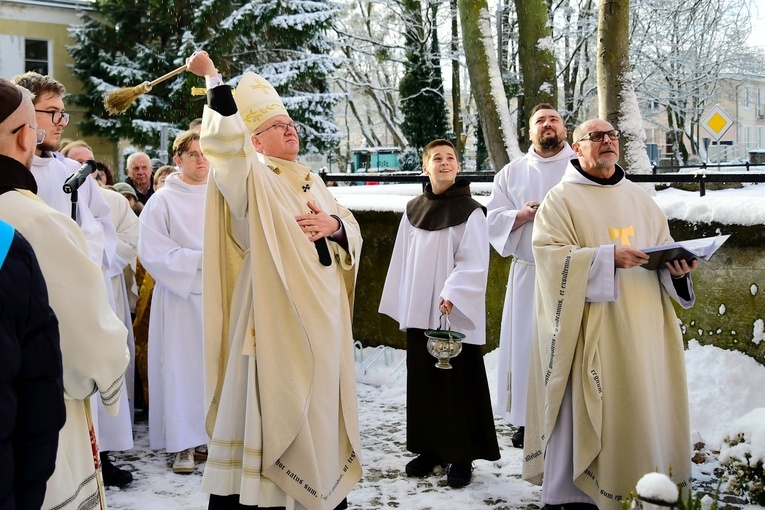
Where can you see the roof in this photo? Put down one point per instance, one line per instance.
(64, 4)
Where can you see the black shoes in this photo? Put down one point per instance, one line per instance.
(422, 465)
(459, 475)
(518, 437)
(113, 476)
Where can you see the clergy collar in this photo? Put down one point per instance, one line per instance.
(15, 175)
(617, 176)
(448, 209)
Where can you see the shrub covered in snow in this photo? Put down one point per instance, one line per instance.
(742, 456)
(410, 160)
(657, 490)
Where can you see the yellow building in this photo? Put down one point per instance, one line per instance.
(33, 37)
(741, 99)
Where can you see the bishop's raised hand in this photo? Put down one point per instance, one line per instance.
(200, 64)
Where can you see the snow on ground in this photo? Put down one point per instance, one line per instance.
(723, 386)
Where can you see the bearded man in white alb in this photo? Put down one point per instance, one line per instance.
(518, 190)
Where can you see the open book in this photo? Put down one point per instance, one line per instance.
(702, 249)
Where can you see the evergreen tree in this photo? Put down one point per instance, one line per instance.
(121, 43)
(421, 88)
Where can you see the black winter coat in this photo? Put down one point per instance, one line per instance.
(31, 377)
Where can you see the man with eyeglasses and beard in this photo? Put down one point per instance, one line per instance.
(279, 348)
(518, 190)
(170, 248)
(608, 398)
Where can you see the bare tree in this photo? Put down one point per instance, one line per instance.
(371, 42)
(575, 28)
(454, 46)
(537, 61)
(680, 50)
(486, 82)
(617, 102)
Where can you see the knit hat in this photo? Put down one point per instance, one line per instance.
(10, 99)
(124, 188)
(257, 100)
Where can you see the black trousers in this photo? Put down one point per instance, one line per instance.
(448, 412)
(232, 503)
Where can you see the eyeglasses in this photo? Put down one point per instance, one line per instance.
(193, 155)
(282, 127)
(597, 136)
(56, 116)
(40, 132)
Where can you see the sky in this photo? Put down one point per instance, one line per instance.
(724, 389)
(757, 37)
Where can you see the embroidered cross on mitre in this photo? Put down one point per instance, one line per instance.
(306, 187)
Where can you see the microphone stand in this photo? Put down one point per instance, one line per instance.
(74, 204)
(72, 184)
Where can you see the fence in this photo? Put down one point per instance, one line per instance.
(704, 174)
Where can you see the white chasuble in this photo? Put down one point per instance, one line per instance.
(280, 371)
(618, 340)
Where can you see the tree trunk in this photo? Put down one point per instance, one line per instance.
(613, 57)
(537, 60)
(456, 88)
(486, 83)
(617, 102)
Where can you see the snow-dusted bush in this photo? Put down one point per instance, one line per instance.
(742, 456)
(657, 490)
(410, 160)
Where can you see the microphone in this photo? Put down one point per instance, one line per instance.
(75, 181)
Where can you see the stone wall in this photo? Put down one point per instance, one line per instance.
(729, 288)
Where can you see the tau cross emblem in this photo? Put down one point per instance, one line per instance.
(306, 187)
(622, 234)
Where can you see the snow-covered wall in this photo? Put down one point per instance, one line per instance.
(730, 288)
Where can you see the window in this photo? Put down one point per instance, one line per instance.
(36, 56)
(747, 97)
(748, 137)
(760, 137)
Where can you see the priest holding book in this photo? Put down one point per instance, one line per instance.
(608, 398)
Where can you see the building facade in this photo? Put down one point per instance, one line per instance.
(740, 99)
(33, 37)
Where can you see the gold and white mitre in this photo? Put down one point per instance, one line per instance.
(257, 100)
